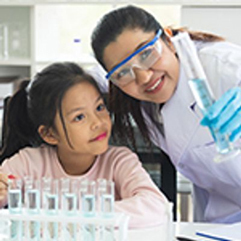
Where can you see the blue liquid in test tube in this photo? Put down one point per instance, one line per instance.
(70, 209)
(15, 207)
(88, 208)
(32, 197)
(51, 207)
(69, 191)
(205, 100)
(107, 210)
(107, 204)
(200, 88)
(88, 202)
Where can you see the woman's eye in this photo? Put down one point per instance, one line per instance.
(101, 107)
(79, 117)
(145, 54)
(123, 73)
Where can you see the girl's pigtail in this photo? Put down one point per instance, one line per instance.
(19, 131)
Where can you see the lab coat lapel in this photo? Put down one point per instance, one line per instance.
(181, 108)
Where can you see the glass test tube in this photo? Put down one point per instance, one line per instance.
(32, 205)
(15, 207)
(69, 193)
(200, 88)
(88, 201)
(51, 207)
(107, 197)
(101, 190)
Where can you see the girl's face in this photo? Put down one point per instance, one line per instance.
(87, 122)
(155, 84)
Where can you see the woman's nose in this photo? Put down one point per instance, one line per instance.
(143, 76)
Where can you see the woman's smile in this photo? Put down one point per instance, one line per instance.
(155, 85)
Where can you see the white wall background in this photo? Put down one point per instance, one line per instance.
(58, 25)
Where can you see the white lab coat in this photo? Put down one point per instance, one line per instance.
(191, 147)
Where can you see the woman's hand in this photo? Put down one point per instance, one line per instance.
(225, 114)
(3, 186)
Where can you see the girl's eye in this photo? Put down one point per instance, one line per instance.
(79, 117)
(101, 107)
(145, 54)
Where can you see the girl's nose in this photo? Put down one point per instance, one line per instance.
(96, 122)
(143, 76)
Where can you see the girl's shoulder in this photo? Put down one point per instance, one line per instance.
(118, 150)
(33, 151)
(29, 161)
(31, 154)
(119, 153)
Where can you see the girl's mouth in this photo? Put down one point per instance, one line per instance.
(100, 137)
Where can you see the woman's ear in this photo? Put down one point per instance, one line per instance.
(169, 35)
(168, 32)
(48, 135)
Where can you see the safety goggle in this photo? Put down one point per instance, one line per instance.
(143, 58)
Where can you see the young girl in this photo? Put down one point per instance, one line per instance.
(58, 126)
(148, 83)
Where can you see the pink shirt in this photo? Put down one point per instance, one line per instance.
(135, 193)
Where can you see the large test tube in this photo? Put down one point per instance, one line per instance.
(200, 88)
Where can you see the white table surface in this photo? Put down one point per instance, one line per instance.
(179, 229)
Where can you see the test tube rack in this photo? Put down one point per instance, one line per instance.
(118, 221)
(37, 214)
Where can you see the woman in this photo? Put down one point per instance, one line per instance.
(148, 83)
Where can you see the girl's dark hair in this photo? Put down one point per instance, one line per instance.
(37, 103)
(123, 107)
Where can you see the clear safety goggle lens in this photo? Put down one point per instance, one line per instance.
(143, 60)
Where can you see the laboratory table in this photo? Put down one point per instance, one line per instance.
(182, 229)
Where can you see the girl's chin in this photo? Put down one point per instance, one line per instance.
(102, 150)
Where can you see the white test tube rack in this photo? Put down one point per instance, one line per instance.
(48, 223)
(118, 220)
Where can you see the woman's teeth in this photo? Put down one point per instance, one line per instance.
(155, 85)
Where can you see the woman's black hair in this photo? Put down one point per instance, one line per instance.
(37, 103)
(123, 107)
(115, 22)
